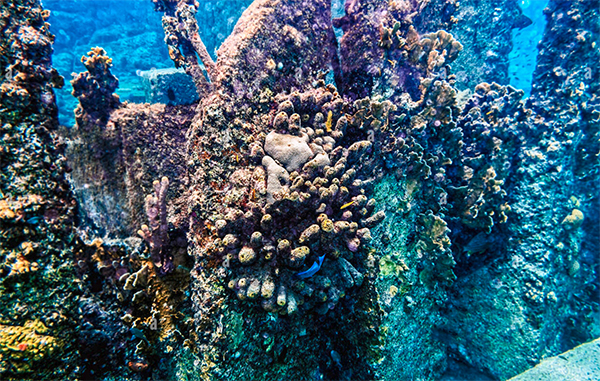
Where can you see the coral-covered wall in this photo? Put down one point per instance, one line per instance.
(38, 291)
(325, 211)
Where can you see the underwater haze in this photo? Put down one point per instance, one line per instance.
(300, 190)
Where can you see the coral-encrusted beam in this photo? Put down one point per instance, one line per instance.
(183, 40)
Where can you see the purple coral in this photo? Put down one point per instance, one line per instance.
(157, 234)
(95, 89)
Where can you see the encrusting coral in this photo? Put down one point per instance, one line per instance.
(22, 347)
(394, 55)
(36, 206)
(95, 89)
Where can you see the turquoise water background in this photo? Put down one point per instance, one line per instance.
(131, 33)
(523, 55)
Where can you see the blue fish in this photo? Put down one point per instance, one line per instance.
(139, 334)
(34, 220)
(312, 270)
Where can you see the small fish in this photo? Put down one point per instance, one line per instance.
(337, 359)
(182, 267)
(171, 95)
(34, 220)
(329, 121)
(346, 205)
(478, 244)
(139, 334)
(521, 22)
(312, 270)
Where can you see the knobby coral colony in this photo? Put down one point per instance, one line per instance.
(295, 237)
(291, 226)
(296, 242)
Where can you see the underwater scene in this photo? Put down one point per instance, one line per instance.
(300, 190)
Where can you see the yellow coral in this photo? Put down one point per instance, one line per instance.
(6, 213)
(573, 220)
(27, 248)
(329, 121)
(21, 266)
(22, 346)
(436, 232)
(10, 209)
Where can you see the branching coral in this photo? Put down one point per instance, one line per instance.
(183, 40)
(395, 54)
(157, 235)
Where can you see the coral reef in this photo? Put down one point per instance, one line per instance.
(275, 47)
(318, 214)
(315, 217)
(383, 52)
(547, 262)
(489, 121)
(137, 44)
(157, 234)
(144, 315)
(24, 347)
(94, 89)
(486, 29)
(38, 293)
(561, 75)
(124, 150)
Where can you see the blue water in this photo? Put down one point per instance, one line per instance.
(523, 55)
(131, 32)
